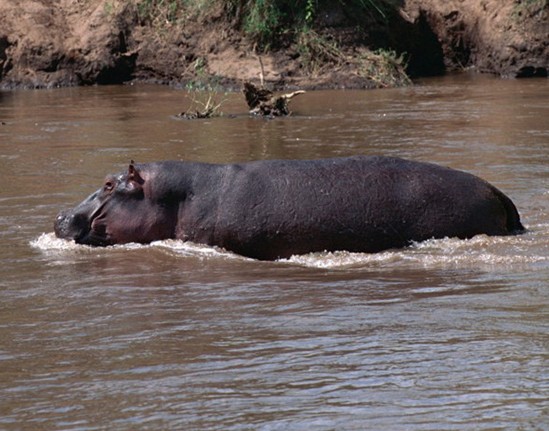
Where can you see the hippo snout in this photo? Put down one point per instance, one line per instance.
(62, 224)
(68, 225)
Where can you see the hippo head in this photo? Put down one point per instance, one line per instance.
(122, 211)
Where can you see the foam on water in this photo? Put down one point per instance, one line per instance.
(49, 243)
(186, 248)
(480, 251)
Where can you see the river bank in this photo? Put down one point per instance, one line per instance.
(45, 44)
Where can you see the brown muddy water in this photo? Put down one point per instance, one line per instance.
(445, 335)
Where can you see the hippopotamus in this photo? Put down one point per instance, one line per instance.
(274, 209)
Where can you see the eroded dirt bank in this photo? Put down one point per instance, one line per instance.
(49, 43)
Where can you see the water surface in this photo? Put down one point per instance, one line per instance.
(444, 335)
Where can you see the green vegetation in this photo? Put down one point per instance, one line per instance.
(273, 24)
(265, 22)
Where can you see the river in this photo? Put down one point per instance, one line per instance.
(444, 335)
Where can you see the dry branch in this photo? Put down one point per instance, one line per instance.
(262, 102)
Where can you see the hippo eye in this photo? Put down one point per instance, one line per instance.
(109, 186)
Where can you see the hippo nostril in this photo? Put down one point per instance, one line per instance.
(70, 226)
(61, 225)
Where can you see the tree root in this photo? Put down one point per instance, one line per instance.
(262, 102)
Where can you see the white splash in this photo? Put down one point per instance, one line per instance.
(481, 252)
(49, 242)
(191, 249)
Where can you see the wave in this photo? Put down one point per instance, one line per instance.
(480, 251)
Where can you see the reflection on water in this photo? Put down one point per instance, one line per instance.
(446, 334)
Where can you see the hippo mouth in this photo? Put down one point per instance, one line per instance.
(81, 228)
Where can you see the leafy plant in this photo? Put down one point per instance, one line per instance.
(310, 10)
(262, 21)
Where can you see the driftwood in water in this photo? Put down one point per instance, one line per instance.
(262, 102)
(202, 107)
(188, 115)
(193, 115)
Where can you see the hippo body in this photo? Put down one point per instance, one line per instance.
(277, 208)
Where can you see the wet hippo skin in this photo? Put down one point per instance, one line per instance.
(277, 208)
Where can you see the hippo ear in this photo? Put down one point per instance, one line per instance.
(133, 174)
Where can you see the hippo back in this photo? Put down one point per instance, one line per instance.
(271, 209)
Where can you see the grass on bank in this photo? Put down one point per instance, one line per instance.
(272, 24)
(383, 67)
(264, 22)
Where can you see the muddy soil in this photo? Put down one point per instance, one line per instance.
(509, 38)
(50, 43)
